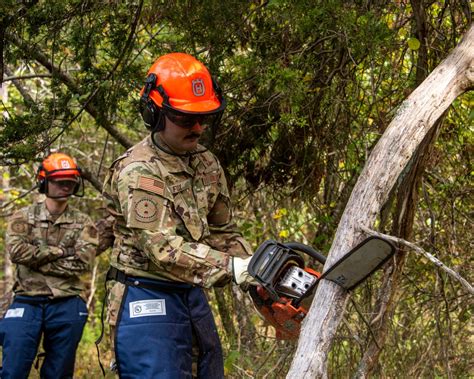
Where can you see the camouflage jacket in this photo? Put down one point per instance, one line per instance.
(173, 218)
(50, 256)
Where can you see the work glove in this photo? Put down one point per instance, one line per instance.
(240, 274)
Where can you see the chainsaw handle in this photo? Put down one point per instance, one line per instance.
(307, 250)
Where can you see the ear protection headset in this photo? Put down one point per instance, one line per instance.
(152, 114)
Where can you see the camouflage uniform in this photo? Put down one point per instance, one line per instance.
(173, 220)
(50, 255)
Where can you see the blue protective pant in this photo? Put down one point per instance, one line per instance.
(60, 321)
(154, 332)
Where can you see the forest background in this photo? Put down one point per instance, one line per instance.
(311, 86)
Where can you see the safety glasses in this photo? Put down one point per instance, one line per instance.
(68, 184)
(187, 121)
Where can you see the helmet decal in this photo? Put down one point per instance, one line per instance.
(65, 164)
(62, 167)
(198, 87)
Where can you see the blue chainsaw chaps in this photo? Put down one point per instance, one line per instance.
(154, 332)
(60, 321)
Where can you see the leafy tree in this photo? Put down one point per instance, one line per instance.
(311, 86)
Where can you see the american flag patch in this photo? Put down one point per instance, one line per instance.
(151, 185)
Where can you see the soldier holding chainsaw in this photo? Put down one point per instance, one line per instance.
(52, 245)
(174, 233)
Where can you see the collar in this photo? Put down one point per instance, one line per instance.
(174, 163)
(64, 218)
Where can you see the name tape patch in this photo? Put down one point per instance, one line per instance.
(144, 308)
(17, 312)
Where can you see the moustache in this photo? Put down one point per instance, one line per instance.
(193, 135)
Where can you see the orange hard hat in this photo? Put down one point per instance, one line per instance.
(58, 166)
(179, 82)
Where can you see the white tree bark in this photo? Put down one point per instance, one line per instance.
(413, 120)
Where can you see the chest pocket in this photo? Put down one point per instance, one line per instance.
(68, 234)
(189, 209)
(40, 234)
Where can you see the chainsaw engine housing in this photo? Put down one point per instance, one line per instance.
(284, 281)
(270, 263)
(295, 282)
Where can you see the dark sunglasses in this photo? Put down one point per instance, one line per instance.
(188, 121)
(63, 183)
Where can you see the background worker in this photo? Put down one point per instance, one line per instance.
(174, 232)
(52, 245)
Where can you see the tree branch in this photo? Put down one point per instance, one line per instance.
(92, 179)
(453, 274)
(74, 87)
(29, 76)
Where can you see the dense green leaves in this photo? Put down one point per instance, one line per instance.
(311, 86)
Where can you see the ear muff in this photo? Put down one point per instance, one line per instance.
(151, 113)
(41, 181)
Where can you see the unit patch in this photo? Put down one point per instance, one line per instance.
(146, 210)
(19, 226)
(144, 308)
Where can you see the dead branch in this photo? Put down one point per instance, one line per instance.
(453, 274)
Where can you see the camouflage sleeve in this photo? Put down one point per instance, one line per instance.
(20, 248)
(148, 213)
(224, 234)
(105, 232)
(64, 267)
(81, 259)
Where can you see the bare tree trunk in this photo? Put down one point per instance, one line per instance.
(414, 119)
(402, 227)
(6, 283)
(403, 217)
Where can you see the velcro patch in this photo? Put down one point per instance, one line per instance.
(72, 226)
(16, 312)
(210, 179)
(19, 226)
(144, 308)
(146, 210)
(150, 184)
(178, 187)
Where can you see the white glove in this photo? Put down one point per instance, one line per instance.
(240, 273)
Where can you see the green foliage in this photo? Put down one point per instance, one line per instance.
(311, 86)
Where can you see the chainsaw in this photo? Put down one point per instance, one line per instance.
(285, 281)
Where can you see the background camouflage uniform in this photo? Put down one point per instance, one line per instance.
(50, 253)
(173, 219)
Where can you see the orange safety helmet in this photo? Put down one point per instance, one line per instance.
(58, 166)
(179, 84)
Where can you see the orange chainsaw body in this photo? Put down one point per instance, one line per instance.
(281, 314)
(286, 284)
